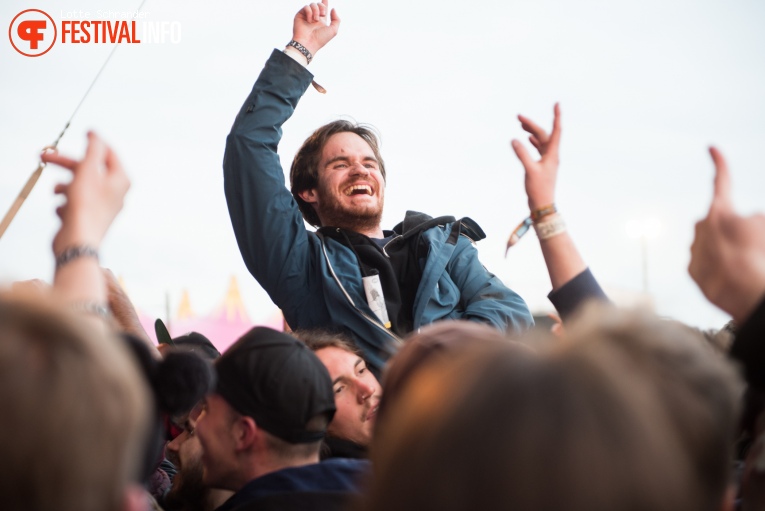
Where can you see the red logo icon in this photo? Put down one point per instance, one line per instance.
(32, 32)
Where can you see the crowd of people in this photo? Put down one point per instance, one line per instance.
(410, 378)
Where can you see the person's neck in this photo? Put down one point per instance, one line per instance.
(377, 232)
(264, 465)
(373, 232)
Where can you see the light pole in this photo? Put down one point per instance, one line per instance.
(644, 229)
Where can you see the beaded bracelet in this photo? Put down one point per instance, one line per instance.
(75, 252)
(302, 49)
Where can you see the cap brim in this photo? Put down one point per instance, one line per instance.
(163, 335)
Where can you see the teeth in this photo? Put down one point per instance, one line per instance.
(366, 188)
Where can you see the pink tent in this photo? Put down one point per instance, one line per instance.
(223, 327)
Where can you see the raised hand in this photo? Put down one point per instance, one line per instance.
(542, 174)
(310, 27)
(94, 196)
(728, 252)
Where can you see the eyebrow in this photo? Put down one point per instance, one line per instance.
(345, 158)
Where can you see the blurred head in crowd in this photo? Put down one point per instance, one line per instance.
(188, 493)
(433, 343)
(631, 413)
(75, 414)
(191, 341)
(269, 411)
(357, 391)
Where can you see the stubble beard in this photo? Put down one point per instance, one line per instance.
(188, 492)
(334, 214)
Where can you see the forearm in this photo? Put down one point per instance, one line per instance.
(561, 257)
(127, 320)
(80, 281)
(80, 286)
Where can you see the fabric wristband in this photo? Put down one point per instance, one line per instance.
(539, 213)
(549, 228)
(535, 216)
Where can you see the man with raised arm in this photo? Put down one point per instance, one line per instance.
(350, 274)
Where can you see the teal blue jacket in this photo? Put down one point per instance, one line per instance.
(315, 280)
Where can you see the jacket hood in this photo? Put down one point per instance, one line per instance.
(415, 222)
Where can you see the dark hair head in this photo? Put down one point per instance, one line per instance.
(304, 173)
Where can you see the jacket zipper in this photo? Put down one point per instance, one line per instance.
(350, 300)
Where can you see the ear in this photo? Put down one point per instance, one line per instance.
(310, 196)
(135, 498)
(246, 433)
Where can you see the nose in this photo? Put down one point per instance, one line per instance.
(365, 391)
(172, 447)
(358, 169)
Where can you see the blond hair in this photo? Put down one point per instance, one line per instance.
(75, 412)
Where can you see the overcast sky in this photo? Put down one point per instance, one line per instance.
(644, 88)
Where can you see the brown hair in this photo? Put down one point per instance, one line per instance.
(318, 338)
(589, 426)
(698, 389)
(75, 412)
(304, 173)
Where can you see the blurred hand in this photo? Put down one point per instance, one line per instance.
(728, 252)
(31, 288)
(310, 27)
(541, 175)
(93, 197)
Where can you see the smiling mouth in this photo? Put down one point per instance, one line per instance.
(358, 189)
(372, 413)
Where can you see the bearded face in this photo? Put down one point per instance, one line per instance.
(351, 190)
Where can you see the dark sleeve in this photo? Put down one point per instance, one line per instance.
(749, 347)
(266, 219)
(582, 288)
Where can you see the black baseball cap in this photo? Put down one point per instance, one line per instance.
(193, 341)
(275, 379)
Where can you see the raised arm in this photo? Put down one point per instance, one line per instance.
(266, 219)
(572, 283)
(728, 264)
(728, 252)
(124, 313)
(93, 198)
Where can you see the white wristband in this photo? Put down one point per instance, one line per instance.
(549, 228)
